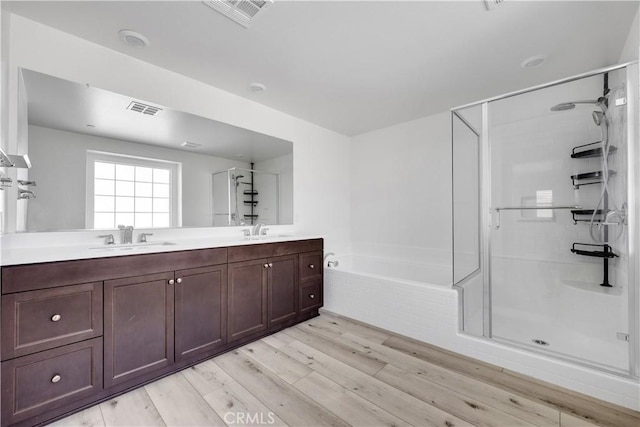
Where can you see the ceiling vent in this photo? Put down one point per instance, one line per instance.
(242, 12)
(492, 4)
(192, 145)
(139, 107)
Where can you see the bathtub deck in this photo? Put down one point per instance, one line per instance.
(334, 371)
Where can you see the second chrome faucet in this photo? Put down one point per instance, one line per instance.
(126, 233)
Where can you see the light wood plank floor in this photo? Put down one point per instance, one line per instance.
(335, 371)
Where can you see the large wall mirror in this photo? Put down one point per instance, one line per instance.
(101, 159)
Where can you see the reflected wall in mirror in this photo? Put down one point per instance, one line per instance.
(101, 159)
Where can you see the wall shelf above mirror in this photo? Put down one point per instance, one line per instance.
(70, 125)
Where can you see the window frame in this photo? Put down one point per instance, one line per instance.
(175, 174)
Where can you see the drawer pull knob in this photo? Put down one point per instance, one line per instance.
(56, 318)
(171, 281)
(179, 280)
(266, 266)
(270, 264)
(312, 266)
(56, 378)
(312, 296)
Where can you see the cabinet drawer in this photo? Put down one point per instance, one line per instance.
(310, 296)
(43, 381)
(39, 320)
(310, 266)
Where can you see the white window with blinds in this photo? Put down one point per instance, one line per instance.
(127, 190)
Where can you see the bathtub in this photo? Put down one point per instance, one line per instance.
(417, 301)
(408, 298)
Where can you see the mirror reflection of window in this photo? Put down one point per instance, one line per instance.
(130, 191)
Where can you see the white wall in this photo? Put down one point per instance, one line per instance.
(320, 156)
(630, 49)
(401, 191)
(282, 165)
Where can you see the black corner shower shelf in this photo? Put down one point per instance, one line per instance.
(585, 215)
(589, 178)
(250, 192)
(606, 251)
(593, 149)
(250, 216)
(250, 202)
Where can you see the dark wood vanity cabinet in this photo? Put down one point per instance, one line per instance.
(200, 311)
(138, 318)
(79, 332)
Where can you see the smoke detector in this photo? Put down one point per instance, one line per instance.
(256, 87)
(492, 4)
(242, 12)
(533, 61)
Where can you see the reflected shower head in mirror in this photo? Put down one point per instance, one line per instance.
(598, 117)
(571, 105)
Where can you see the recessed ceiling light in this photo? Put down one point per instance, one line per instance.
(533, 61)
(257, 87)
(133, 39)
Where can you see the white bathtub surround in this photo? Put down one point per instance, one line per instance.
(430, 313)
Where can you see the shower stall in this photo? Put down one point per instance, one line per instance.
(545, 219)
(245, 197)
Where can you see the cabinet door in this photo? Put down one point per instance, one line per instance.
(200, 310)
(282, 289)
(247, 302)
(138, 326)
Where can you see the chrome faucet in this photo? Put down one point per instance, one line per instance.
(143, 237)
(109, 240)
(25, 194)
(126, 233)
(256, 229)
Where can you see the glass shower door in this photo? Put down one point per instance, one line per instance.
(558, 249)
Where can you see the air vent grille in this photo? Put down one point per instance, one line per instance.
(139, 107)
(240, 11)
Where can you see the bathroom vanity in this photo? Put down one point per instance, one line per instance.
(76, 332)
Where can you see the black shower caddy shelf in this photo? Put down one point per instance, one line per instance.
(606, 252)
(594, 177)
(585, 215)
(587, 150)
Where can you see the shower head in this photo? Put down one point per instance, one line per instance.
(598, 117)
(564, 106)
(571, 105)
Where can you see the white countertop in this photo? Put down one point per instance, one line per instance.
(47, 247)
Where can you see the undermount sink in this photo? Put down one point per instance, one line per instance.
(131, 246)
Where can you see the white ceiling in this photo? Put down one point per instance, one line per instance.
(356, 66)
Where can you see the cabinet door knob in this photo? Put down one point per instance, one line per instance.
(266, 266)
(171, 281)
(312, 266)
(179, 280)
(56, 378)
(56, 318)
(312, 296)
(270, 264)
